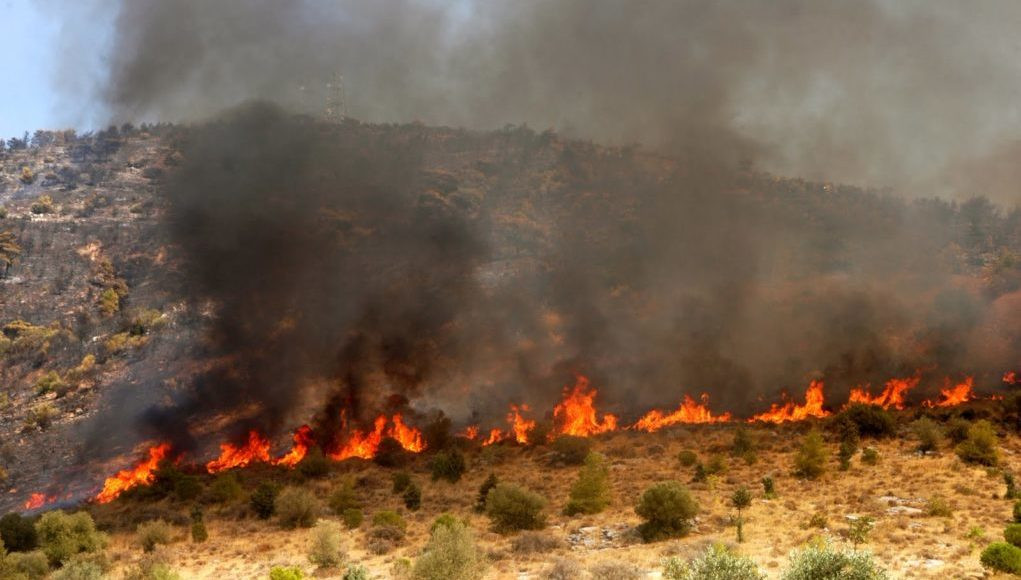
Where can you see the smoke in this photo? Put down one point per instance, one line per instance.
(352, 263)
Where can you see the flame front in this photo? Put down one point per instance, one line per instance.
(364, 444)
(792, 412)
(892, 395)
(141, 474)
(576, 414)
(689, 412)
(519, 425)
(470, 432)
(495, 436)
(256, 449)
(954, 395)
(303, 441)
(38, 500)
(409, 437)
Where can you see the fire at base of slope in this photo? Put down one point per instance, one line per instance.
(575, 415)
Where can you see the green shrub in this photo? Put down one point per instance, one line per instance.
(389, 518)
(43, 203)
(40, 417)
(314, 465)
(1012, 491)
(571, 450)
(79, 568)
(810, 460)
(63, 535)
(743, 445)
(845, 452)
(412, 497)
(817, 521)
(356, 572)
(820, 561)
(344, 498)
(1003, 557)
(153, 533)
(487, 485)
(667, 509)
(28, 565)
(388, 530)
(326, 550)
(450, 554)
(741, 499)
(957, 429)
(768, 487)
(199, 533)
(687, 458)
(286, 573)
(225, 488)
(981, 445)
(715, 563)
(859, 529)
(716, 465)
(445, 519)
(590, 494)
(401, 481)
(869, 456)
(263, 500)
(448, 465)
(871, 420)
(938, 507)
(352, 518)
(18, 533)
(51, 383)
(1012, 533)
(297, 507)
(512, 508)
(1017, 511)
(928, 434)
(187, 487)
(109, 302)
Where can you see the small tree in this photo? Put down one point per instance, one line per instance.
(263, 500)
(326, 549)
(590, 494)
(810, 461)
(667, 509)
(1012, 491)
(845, 453)
(9, 252)
(199, 533)
(64, 535)
(743, 446)
(448, 465)
(512, 508)
(487, 485)
(859, 529)
(740, 500)
(981, 445)
(768, 487)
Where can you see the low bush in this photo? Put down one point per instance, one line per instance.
(412, 497)
(1017, 511)
(51, 383)
(437, 432)
(591, 493)
(326, 549)
(768, 487)
(810, 460)
(512, 508)
(928, 433)
(667, 509)
(687, 458)
(869, 456)
(535, 543)
(742, 445)
(715, 563)
(389, 518)
(938, 507)
(715, 465)
(388, 529)
(1012, 533)
(344, 498)
(401, 481)
(199, 533)
(390, 453)
(615, 571)
(871, 420)
(571, 450)
(153, 533)
(487, 485)
(79, 568)
(263, 500)
(451, 553)
(448, 465)
(562, 569)
(40, 417)
(314, 465)
(225, 489)
(356, 572)
(980, 447)
(1003, 557)
(18, 532)
(352, 518)
(26, 565)
(297, 507)
(957, 429)
(63, 535)
(446, 520)
(845, 452)
(286, 573)
(820, 561)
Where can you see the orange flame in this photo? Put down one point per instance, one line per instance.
(519, 425)
(955, 395)
(495, 436)
(409, 437)
(792, 412)
(38, 500)
(364, 444)
(303, 441)
(231, 456)
(576, 415)
(470, 432)
(1010, 378)
(689, 412)
(141, 474)
(892, 395)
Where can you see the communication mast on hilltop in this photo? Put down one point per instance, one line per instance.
(336, 100)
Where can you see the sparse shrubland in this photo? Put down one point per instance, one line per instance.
(615, 571)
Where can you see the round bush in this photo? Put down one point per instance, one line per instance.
(716, 563)
(1013, 534)
(571, 450)
(822, 562)
(1003, 557)
(63, 535)
(17, 533)
(297, 507)
(667, 509)
(513, 508)
(687, 458)
(448, 465)
(152, 533)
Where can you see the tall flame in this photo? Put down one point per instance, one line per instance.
(954, 395)
(793, 412)
(519, 425)
(689, 412)
(141, 474)
(255, 450)
(364, 444)
(303, 441)
(409, 437)
(576, 414)
(892, 395)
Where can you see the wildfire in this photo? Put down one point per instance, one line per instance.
(519, 425)
(256, 449)
(1010, 378)
(793, 412)
(955, 395)
(364, 444)
(302, 443)
(576, 414)
(141, 474)
(690, 411)
(470, 432)
(38, 500)
(892, 395)
(495, 436)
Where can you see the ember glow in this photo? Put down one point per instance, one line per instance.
(793, 412)
(892, 395)
(255, 450)
(302, 443)
(1010, 378)
(576, 414)
(954, 395)
(141, 474)
(520, 426)
(38, 500)
(690, 411)
(471, 432)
